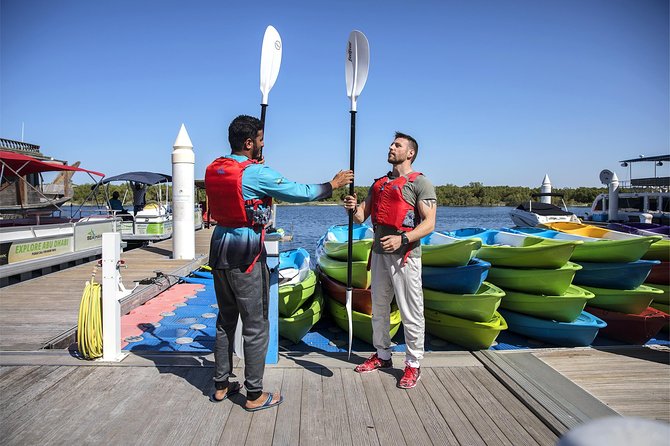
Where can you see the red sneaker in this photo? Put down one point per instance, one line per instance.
(373, 363)
(410, 377)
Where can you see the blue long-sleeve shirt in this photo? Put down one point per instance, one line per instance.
(237, 247)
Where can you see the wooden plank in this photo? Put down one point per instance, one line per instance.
(409, 420)
(14, 376)
(573, 398)
(361, 424)
(435, 425)
(455, 418)
(385, 422)
(551, 414)
(287, 424)
(13, 401)
(485, 426)
(263, 422)
(500, 415)
(311, 409)
(536, 425)
(336, 420)
(47, 411)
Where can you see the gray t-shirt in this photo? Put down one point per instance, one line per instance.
(412, 192)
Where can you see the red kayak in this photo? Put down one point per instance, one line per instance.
(660, 274)
(632, 328)
(361, 299)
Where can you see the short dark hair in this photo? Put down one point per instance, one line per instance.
(115, 194)
(412, 143)
(242, 128)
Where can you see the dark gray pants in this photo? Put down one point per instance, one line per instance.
(246, 295)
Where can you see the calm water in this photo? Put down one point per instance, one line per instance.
(309, 223)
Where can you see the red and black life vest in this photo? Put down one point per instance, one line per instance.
(389, 207)
(223, 183)
(227, 206)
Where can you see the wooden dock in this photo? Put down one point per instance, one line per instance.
(43, 311)
(527, 397)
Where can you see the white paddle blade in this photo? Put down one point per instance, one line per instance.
(356, 65)
(349, 318)
(270, 61)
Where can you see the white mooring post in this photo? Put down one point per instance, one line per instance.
(111, 293)
(545, 189)
(183, 197)
(613, 208)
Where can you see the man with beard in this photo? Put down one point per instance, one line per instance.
(240, 189)
(402, 205)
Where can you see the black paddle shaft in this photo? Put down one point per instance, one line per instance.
(263, 108)
(352, 157)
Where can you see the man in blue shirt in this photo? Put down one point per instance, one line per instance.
(240, 189)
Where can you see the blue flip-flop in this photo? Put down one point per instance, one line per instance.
(233, 388)
(267, 404)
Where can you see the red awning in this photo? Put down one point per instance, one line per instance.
(24, 164)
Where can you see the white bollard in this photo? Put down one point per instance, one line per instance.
(183, 197)
(613, 208)
(111, 309)
(545, 189)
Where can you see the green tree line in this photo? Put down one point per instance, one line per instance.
(474, 194)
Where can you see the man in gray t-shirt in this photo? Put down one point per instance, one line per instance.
(402, 206)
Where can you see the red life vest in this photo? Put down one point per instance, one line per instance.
(223, 183)
(389, 207)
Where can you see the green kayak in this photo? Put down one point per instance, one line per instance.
(335, 242)
(438, 249)
(291, 297)
(553, 281)
(659, 250)
(361, 323)
(623, 251)
(661, 298)
(337, 269)
(624, 301)
(565, 307)
(466, 333)
(479, 307)
(297, 326)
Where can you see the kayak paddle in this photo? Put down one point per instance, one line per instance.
(270, 63)
(356, 67)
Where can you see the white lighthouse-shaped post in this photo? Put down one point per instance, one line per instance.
(545, 189)
(183, 195)
(613, 208)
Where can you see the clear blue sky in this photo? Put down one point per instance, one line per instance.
(499, 92)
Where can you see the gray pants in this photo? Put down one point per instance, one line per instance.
(390, 277)
(246, 295)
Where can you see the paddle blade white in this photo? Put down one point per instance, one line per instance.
(270, 61)
(356, 65)
(349, 318)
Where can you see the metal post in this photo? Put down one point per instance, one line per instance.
(111, 309)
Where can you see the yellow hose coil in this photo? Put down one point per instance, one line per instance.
(89, 328)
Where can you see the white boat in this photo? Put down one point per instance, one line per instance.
(145, 221)
(534, 213)
(645, 200)
(32, 241)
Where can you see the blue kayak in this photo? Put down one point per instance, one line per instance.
(456, 279)
(293, 266)
(579, 333)
(618, 276)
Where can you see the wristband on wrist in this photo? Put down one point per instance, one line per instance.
(404, 239)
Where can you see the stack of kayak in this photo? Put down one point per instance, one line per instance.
(300, 302)
(459, 306)
(332, 252)
(613, 271)
(536, 275)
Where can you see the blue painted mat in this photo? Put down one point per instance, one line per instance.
(177, 333)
